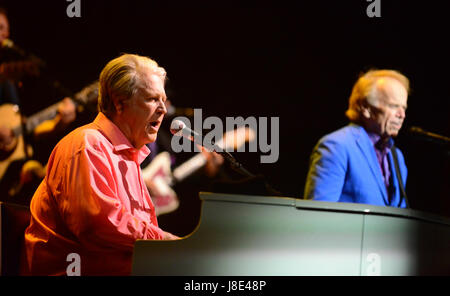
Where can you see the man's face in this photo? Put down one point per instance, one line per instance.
(144, 112)
(386, 116)
(4, 28)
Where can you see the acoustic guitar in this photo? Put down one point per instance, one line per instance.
(10, 117)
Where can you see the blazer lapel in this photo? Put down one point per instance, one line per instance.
(366, 146)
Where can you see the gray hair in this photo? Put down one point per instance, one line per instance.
(121, 78)
(364, 90)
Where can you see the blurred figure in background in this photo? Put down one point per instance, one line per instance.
(358, 163)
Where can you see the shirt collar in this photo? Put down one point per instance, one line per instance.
(118, 139)
(375, 139)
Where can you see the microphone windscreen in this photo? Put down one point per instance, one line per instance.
(176, 126)
(7, 43)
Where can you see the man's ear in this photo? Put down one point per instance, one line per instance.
(118, 104)
(365, 110)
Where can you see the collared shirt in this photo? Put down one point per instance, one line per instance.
(92, 202)
(381, 150)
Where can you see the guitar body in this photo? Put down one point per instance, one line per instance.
(158, 175)
(10, 117)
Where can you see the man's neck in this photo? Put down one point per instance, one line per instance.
(125, 129)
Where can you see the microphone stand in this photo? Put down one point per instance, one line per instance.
(235, 164)
(429, 136)
(238, 167)
(437, 139)
(179, 129)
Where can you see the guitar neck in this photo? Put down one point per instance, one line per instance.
(33, 121)
(189, 167)
(48, 113)
(83, 97)
(236, 138)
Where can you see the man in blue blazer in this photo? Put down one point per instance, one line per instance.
(355, 163)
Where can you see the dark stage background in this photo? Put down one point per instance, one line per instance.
(296, 61)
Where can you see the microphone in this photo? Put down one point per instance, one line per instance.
(8, 43)
(179, 128)
(22, 54)
(431, 136)
(18, 62)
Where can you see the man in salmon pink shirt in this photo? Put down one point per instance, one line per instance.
(93, 201)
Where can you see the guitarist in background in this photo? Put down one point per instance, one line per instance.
(8, 91)
(167, 203)
(15, 64)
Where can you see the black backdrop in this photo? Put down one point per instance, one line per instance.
(296, 61)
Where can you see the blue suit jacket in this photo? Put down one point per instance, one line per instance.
(344, 168)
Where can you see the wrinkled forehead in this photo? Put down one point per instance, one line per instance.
(390, 88)
(151, 84)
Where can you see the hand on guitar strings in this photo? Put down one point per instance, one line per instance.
(213, 162)
(67, 111)
(8, 140)
(66, 114)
